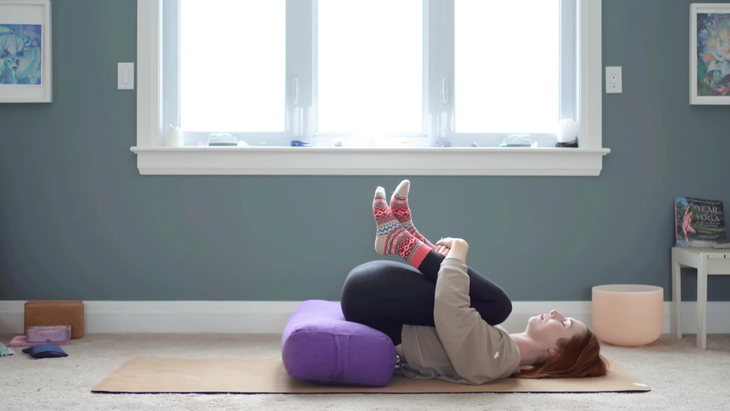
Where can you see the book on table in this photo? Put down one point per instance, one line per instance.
(698, 222)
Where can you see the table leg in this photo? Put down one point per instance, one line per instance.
(677, 294)
(702, 302)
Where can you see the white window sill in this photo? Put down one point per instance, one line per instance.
(425, 161)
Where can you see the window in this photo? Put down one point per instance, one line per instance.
(388, 84)
(232, 65)
(510, 85)
(369, 67)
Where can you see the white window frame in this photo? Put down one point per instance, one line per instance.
(153, 158)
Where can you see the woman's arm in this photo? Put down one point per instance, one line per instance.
(477, 351)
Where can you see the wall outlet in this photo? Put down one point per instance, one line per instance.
(613, 79)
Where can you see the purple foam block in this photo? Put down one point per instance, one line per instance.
(49, 334)
(21, 341)
(320, 346)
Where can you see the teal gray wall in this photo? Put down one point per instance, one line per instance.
(77, 221)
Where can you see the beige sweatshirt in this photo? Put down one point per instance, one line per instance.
(461, 348)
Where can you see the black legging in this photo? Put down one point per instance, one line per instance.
(385, 295)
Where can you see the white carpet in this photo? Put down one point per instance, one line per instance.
(681, 376)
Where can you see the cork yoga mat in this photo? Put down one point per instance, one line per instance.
(268, 376)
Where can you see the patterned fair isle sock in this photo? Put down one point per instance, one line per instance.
(399, 206)
(391, 237)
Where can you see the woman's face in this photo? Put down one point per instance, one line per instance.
(549, 328)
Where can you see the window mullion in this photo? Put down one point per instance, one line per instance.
(424, 75)
(568, 60)
(170, 63)
(440, 116)
(314, 56)
(299, 65)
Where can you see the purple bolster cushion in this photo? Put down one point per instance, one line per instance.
(320, 346)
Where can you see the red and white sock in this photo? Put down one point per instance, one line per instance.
(399, 206)
(391, 237)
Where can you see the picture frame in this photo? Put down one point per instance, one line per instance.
(709, 57)
(25, 51)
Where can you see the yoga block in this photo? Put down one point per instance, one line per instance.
(320, 346)
(51, 312)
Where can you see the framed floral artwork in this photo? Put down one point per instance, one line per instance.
(709, 53)
(25, 51)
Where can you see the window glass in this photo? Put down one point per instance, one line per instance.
(232, 71)
(507, 56)
(370, 66)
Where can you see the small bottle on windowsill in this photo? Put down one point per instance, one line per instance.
(573, 143)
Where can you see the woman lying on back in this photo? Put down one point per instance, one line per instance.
(443, 317)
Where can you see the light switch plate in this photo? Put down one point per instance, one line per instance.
(125, 76)
(613, 79)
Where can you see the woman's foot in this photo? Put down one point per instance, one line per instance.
(399, 206)
(391, 237)
(388, 227)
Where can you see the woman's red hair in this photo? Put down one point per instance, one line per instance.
(578, 357)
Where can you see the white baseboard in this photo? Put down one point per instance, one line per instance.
(259, 317)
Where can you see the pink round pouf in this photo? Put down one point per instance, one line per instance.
(628, 314)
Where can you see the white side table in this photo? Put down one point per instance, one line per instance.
(707, 261)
